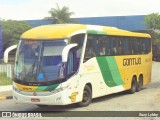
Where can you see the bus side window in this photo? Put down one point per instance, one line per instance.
(148, 45)
(108, 49)
(131, 50)
(126, 45)
(142, 46)
(138, 45)
(135, 46)
(91, 47)
(79, 40)
(120, 46)
(102, 46)
(114, 46)
(70, 68)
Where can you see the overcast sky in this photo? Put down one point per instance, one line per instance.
(38, 9)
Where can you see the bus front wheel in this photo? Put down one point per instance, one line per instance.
(87, 97)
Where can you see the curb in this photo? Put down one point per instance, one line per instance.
(6, 97)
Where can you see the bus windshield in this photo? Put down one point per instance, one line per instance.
(39, 61)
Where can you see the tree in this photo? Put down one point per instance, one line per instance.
(61, 15)
(152, 21)
(11, 31)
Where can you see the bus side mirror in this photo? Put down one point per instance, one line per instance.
(66, 50)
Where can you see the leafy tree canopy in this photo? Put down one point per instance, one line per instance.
(61, 15)
(12, 30)
(152, 21)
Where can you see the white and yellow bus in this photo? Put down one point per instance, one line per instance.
(73, 63)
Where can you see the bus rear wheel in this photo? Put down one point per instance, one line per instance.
(139, 84)
(87, 97)
(133, 86)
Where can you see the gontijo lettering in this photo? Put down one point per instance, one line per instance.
(131, 61)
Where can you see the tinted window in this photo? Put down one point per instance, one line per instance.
(100, 45)
(91, 47)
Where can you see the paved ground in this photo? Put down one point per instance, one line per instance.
(6, 93)
(148, 99)
(5, 88)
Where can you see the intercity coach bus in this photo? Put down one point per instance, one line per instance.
(74, 63)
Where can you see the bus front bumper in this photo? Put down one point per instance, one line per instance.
(60, 98)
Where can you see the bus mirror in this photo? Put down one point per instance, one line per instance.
(66, 51)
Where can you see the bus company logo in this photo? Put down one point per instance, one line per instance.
(131, 61)
(6, 114)
(20, 114)
(34, 93)
(27, 89)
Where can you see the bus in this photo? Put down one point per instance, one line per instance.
(63, 64)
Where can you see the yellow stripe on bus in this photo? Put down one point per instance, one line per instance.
(26, 88)
(52, 31)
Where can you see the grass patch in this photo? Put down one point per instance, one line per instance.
(4, 80)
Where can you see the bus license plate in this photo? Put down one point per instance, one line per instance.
(35, 100)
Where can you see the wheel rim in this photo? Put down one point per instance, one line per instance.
(134, 86)
(85, 96)
(140, 83)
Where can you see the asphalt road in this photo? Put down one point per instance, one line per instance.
(148, 99)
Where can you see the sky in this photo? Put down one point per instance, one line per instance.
(38, 9)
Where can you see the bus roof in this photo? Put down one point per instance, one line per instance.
(59, 31)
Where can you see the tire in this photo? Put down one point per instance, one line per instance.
(133, 86)
(42, 106)
(139, 84)
(87, 97)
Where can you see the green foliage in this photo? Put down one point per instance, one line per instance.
(152, 21)
(61, 15)
(11, 31)
(4, 80)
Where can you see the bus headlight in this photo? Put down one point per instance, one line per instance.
(16, 89)
(59, 89)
